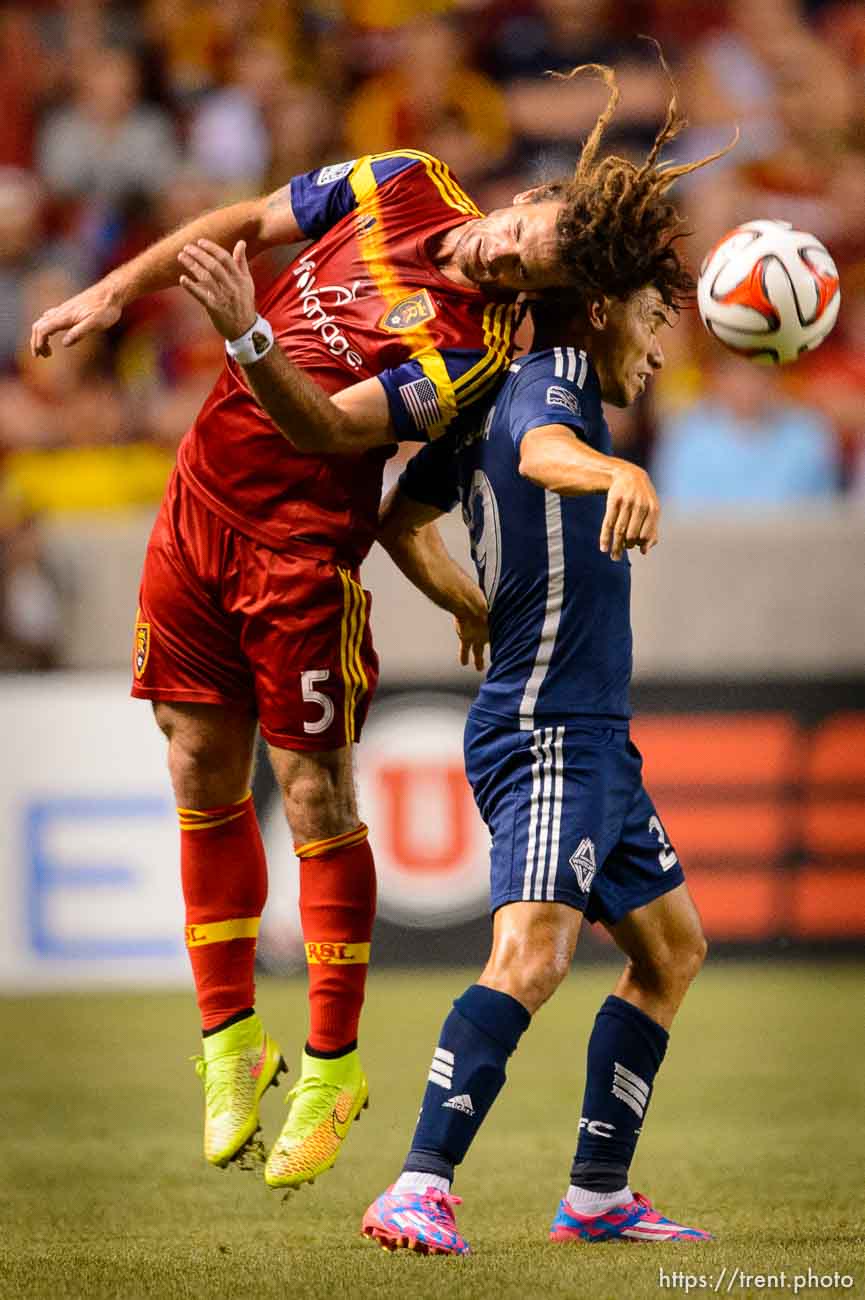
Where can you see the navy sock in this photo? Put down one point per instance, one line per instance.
(466, 1076)
(626, 1049)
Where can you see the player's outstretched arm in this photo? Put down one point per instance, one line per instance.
(261, 222)
(554, 458)
(348, 423)
(408, 532)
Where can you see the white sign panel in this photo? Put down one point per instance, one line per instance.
(89, 876)
(431, 847)
(88, 859)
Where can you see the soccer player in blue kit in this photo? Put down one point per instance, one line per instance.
(551, 515)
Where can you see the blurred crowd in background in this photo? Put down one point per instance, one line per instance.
(122, 121)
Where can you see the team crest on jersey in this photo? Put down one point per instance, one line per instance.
(583, 862)
(409, 313)
(142, 644)
(334, 172)
(558, 396)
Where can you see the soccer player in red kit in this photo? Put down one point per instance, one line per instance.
(251, 611)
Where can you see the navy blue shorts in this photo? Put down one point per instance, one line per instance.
(570, 819)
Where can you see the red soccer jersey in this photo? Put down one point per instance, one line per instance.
(363, 299)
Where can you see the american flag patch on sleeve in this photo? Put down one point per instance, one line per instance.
(421, 402)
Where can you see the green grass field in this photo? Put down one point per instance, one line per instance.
(755, 1132)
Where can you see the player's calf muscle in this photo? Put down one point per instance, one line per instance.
(666, 948)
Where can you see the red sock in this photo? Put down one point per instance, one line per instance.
(337, 909)
(224, 875)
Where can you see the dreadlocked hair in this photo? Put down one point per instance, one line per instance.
(617, 230)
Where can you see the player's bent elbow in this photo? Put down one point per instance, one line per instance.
(547, 473)
(534, 468)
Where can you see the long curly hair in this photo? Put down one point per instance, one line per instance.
(617, 229)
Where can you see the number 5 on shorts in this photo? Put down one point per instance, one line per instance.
(318, 698)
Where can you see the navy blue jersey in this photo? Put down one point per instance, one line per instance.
(560, 629)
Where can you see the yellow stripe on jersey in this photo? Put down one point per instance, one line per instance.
(315, 848)
(498, 336)
(433, 366)
(450, 191)
(362, 180)
(498, 327)
(498, 324)
(439, 173)
(242, 927)
(364, 185)
(355, 681)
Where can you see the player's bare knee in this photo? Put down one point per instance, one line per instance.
(541, 978)
(687, 956)
(533, 980)
(209, 757)
(205, 777)
(311, 808)
(669, 969)
(318, 793)
(531, 953)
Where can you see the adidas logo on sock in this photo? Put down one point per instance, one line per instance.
(462, 1103)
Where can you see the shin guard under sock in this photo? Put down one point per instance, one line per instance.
(466, 1076)
(224, 877)
(337, 910)
(626, 1049)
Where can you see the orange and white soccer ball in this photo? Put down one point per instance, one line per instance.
(769, 292)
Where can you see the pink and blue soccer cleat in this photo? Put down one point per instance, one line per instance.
(635, 1221)
(421, 1221)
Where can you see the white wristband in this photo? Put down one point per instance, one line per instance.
(253, 345)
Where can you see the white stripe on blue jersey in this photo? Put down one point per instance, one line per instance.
(566, 362)
(564, 357)
(552, 613)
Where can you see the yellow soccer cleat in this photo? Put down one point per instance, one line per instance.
(330, 1094)
(238, 1064)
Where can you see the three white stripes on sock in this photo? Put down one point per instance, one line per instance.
(630, 1089)
(442, 1068)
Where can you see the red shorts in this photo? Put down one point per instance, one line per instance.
(223, 619)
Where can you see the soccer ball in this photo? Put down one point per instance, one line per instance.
(769, 292)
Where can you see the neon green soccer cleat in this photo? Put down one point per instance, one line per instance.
(329, 1095)
(238, 1064)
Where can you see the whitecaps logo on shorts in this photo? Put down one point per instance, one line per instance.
(583, 862)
